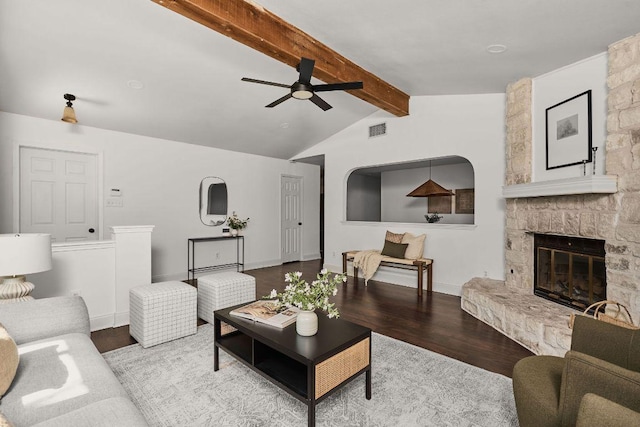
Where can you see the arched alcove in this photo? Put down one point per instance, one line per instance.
(379, 193)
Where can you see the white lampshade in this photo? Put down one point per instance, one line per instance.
(22, 254)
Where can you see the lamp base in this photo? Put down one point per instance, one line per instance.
(15, 289)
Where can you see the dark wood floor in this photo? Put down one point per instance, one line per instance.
(434, 322)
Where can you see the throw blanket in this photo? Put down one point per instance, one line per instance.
(368, 262)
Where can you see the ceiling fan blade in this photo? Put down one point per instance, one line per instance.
(279, 101)
(337, 86)
(306, 69)
(320, 102)
(264, 82)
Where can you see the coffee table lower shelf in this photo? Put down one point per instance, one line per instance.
(309, 379)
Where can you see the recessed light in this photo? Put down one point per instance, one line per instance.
(135, 84)
(284, 125)
(496, 48)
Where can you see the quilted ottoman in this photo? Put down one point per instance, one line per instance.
(221, 290)
(161, 312)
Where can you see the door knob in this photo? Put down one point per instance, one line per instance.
(91, 230)
(299, 223)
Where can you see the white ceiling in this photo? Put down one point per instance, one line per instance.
(192, 90)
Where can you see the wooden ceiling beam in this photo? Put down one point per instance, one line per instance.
(256, 27)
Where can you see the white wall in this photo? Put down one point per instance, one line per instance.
(397, 207)
(470, 126)
(557, 86)
(159, 180)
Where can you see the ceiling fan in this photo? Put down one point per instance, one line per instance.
(303, 89)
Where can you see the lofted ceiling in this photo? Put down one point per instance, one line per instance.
(102, 51)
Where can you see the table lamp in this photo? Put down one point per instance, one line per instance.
(22, 254)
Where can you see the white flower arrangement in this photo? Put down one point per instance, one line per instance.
(305, 296)
(236, 223)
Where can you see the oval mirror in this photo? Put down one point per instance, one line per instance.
(213, 201)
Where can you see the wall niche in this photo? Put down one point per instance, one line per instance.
(379, 193)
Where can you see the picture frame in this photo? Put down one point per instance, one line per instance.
(439, 204)
(568, 132)
(465, 200)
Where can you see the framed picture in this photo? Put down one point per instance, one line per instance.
(465, 200)
(569, 132)
(439, 204)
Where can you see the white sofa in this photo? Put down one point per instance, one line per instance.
(62, 380)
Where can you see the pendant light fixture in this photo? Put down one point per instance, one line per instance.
(69, 115)
(430, 188)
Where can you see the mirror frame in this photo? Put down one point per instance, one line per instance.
(208, 219)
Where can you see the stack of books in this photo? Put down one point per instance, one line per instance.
(268, 312)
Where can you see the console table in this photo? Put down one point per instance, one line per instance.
(191, 250)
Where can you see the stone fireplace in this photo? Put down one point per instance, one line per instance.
(605, 208)
(569, 270)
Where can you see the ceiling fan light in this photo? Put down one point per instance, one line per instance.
(302, 94)
(69, 115)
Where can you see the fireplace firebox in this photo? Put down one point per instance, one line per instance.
(569, 270)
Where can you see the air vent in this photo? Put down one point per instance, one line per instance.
(377, 130)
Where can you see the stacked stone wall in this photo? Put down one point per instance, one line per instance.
(519, 131)
(614, 218)
(591, 216)
(623, 160)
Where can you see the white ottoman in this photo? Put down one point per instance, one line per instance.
(221, 290)
(161, 312)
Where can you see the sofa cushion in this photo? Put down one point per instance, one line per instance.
(115, 411)
(58, 375)
(415, 250)
(47, 317)
(9, 357)
(598, 411)
(394, 250)
(393, 237)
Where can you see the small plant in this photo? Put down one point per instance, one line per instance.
(433, 218)
(236, 223)
(305, 296)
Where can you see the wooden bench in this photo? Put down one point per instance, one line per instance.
(419, 265)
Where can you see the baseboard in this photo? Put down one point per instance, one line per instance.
(101, 322)
(263, 264)
(311, 257)
(401, 278)
(169, 277)
(183, 275)
(121, 319)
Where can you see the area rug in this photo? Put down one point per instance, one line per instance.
(174, 384)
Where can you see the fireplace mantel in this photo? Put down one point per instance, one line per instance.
(590, 184)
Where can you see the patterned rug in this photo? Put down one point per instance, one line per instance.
(174, 384)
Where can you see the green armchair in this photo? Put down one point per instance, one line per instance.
(604, 361)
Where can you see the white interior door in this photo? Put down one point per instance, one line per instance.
(291, 197)
(58, 194)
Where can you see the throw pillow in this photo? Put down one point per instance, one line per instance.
(4, 422)
(393, 237)
(394, 250)
(9, 357)
(415, 250)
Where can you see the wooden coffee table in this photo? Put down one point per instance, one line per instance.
(308, 368)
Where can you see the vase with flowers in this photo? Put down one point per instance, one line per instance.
(310, 296)
(236, 224)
